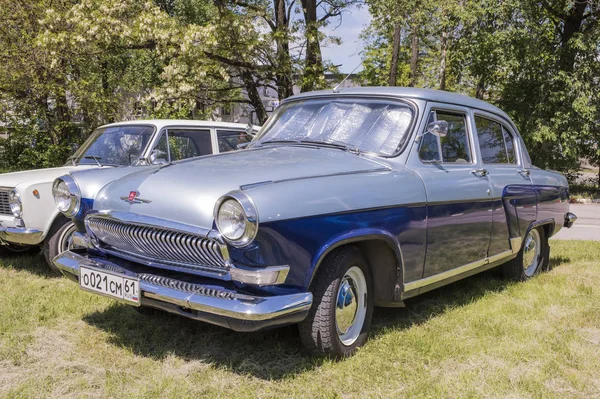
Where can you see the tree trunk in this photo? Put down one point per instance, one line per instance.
(571, 25)
(284, 62)
(443, 54)
(414, 54)
(254, 96)
(313, 68)
(480, 88)
(395, 54)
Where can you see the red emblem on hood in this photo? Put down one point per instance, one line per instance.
(134, 199)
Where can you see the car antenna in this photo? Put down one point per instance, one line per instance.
(336, 89)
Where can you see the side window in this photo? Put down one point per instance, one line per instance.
(188, 143)
(495, 142)
(510, 146)
(163, 150)
(454, 147)
(229, 139)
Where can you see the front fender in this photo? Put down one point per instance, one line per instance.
(356, 236)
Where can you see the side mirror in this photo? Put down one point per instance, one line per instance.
(438, 128)
(155, 159)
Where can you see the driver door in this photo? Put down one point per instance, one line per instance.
(459, 204)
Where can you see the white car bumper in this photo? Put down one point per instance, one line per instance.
(12, 234)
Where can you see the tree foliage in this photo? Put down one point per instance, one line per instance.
(537, 60)
(69, 66)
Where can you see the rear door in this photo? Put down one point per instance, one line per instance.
(459, 206)
(499, 156)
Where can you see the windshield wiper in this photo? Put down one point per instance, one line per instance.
(95, 158)
(334, 144)
(261, 143)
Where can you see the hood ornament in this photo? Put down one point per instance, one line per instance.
(132, 198)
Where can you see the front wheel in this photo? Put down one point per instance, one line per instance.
(58, 241)
(532, 258)
(339, 320)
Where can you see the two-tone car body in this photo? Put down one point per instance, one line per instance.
(344, 201)
(29, 217)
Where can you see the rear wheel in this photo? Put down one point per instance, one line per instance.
(339, 320)
(59, 240)
(532, 258)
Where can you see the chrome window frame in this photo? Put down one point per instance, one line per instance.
(516, 138)
(451, 109)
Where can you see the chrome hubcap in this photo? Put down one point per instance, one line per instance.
(531, 252)
(66, 241)
(350, 309)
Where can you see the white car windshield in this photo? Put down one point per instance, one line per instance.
(367, 125)
(116, 146)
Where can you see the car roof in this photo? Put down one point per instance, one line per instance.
(160, 123)
(409, 92)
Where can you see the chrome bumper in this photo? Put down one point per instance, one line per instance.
(570, 218)
(19, 235)
(209, 303)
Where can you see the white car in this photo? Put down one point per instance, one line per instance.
(29, 218)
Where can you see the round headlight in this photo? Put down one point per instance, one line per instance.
(66, 195)
(236, 219)
(14, 200)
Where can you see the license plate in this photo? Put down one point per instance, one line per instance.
(109, 284)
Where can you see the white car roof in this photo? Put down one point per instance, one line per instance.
(160, 123)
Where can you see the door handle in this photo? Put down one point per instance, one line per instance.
(524, 172)
(480, 172)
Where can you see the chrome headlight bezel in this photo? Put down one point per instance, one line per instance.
(15, 203)
(250, 214)
(74, 195)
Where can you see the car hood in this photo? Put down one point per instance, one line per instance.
(186, 192)
(36, 176)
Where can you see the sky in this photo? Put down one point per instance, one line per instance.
(347, 54)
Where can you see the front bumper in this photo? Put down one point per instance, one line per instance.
(209, 303)
(20, 235)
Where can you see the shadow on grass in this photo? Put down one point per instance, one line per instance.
(273, 354)
(33, 262)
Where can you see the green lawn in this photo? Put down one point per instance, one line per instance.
(481, 337)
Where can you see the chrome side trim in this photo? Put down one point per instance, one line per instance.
(202, 298)
(515, 244)
(456, 271)
(21, 235)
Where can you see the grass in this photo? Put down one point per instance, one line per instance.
(481, 337)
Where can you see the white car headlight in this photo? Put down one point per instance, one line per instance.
(67, 196)
(236, 218)
(14, 200)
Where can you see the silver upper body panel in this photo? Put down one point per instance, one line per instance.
(281, 179)
(288, 181)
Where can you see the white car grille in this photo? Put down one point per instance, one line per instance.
(4, 206)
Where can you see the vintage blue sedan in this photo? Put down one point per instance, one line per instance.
(344, 201)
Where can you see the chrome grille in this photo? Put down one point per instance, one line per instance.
(4, 206)
(158, 246)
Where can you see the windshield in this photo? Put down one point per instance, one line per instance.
(117, 145)
(369, 125)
